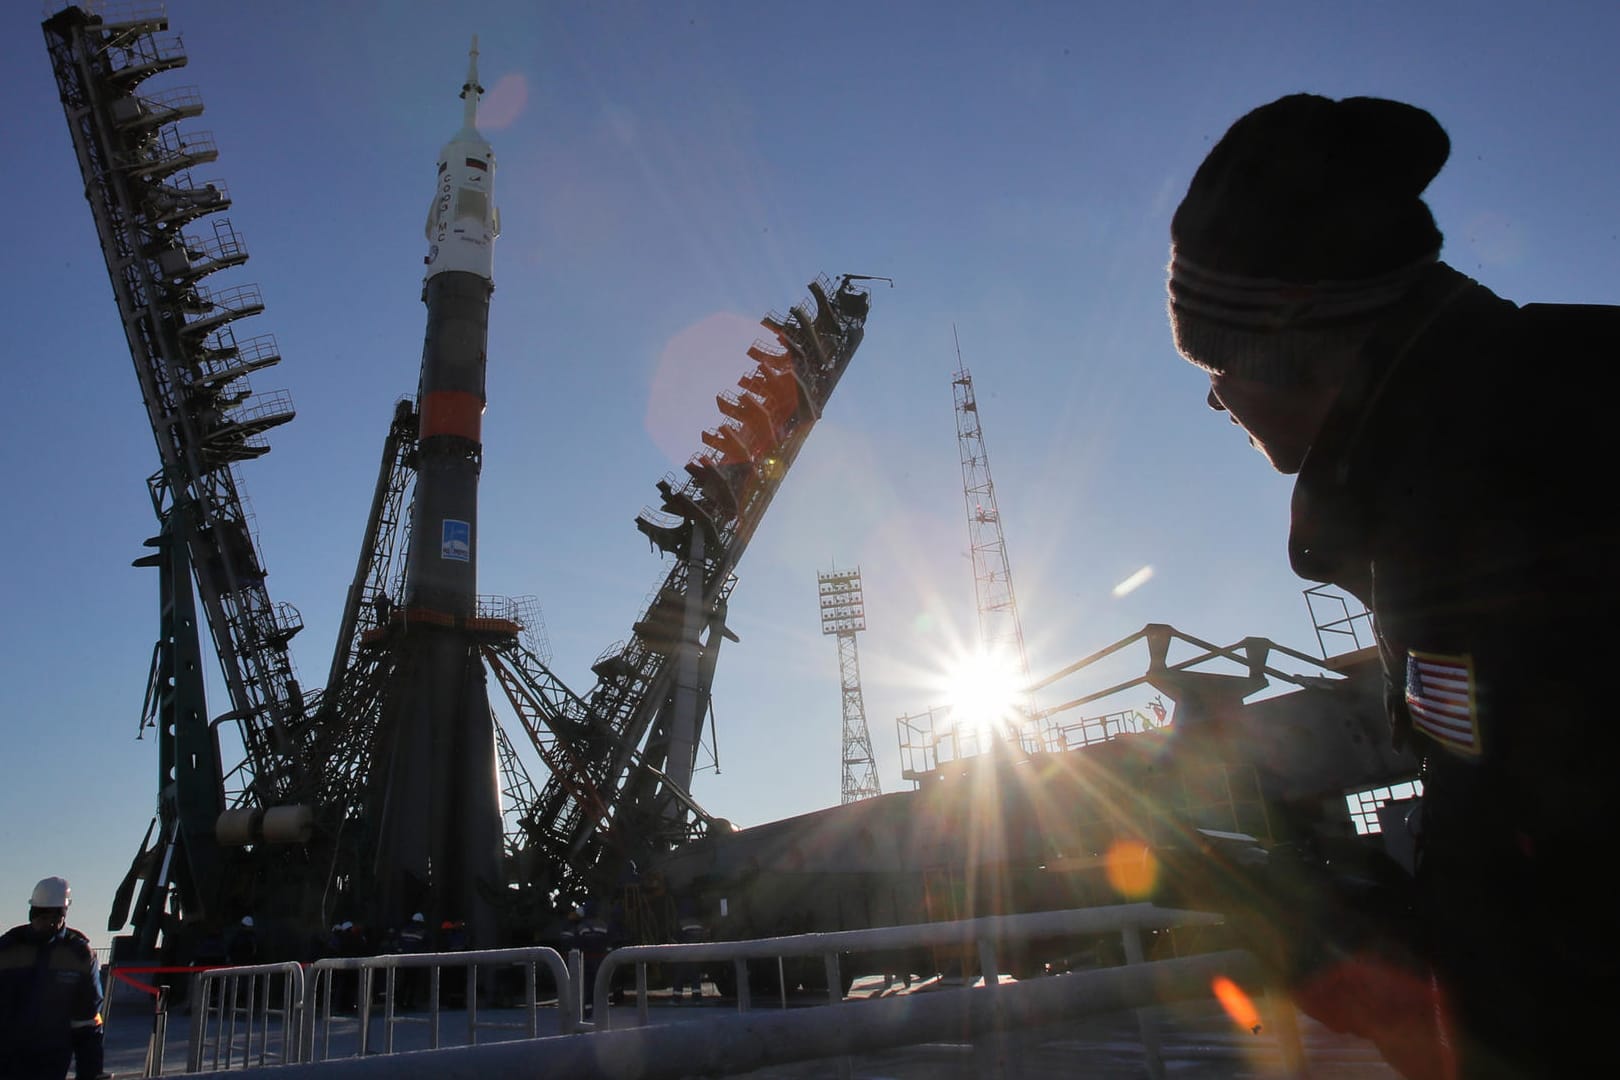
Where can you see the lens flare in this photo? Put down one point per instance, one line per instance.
(1238, 1005)
(1132, 869)
(1134, 582)
(504, 102)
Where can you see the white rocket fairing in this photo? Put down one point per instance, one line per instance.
(463, 221)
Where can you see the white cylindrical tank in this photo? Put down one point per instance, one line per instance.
(289, 824)
(254, 825)
(238, 828)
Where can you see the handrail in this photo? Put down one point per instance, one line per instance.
(986, 932)
(726, 1044)
(731, 1044)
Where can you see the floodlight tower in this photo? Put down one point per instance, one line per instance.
(1000, 631)
(843, 614)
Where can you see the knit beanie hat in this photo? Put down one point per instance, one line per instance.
(1303, 224)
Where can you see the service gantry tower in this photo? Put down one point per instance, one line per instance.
(164, 239)
(843, 614)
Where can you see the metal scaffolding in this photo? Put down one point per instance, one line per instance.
(843, 614)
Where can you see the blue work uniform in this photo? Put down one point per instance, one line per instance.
(50, 1005)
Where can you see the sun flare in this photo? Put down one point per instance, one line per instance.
(986, 693)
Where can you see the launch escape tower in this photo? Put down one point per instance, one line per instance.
(394, 788)
(843, 614)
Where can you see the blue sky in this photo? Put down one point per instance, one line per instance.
(667, 173)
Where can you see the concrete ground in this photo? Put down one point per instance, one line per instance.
(1196, 1041)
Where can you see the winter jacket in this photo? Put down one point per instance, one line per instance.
(1460, 490)
(50, 1005)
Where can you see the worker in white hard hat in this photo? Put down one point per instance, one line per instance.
(50, 993)
(413, 938)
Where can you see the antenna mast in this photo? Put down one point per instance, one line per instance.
(999, 628)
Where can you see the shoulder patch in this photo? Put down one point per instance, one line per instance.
(1440, 697)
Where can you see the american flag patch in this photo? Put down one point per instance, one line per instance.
(1440, 697)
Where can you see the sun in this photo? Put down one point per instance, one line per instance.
(986, 693)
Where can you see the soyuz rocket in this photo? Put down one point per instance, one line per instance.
(462, 224)
(433, 796)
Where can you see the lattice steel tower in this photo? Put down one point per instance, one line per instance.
(999, 628)
(843, 614)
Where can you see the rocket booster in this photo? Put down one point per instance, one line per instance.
(462, 224)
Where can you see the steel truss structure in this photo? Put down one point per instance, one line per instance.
(999, 628)
(843, 614)
(163, 240)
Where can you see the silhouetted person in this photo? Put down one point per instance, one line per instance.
(1453, 451)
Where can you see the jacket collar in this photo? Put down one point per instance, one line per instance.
(1330, 496)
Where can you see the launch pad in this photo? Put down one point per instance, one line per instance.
(392, 789)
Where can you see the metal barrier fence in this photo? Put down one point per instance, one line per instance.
(751, 1039)
(324, 976)
(986, 936)
(238, 1009)
(727, 1043)
(222, 998)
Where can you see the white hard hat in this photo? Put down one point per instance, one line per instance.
(247, 921)
(418, 917)
(51, 892)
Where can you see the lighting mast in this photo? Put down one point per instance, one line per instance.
(1000, 632)
(843, 614)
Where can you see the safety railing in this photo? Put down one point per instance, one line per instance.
(987, 937)
(326, 982)
(238, 1009)
(724, 1043)
(1343, 624)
